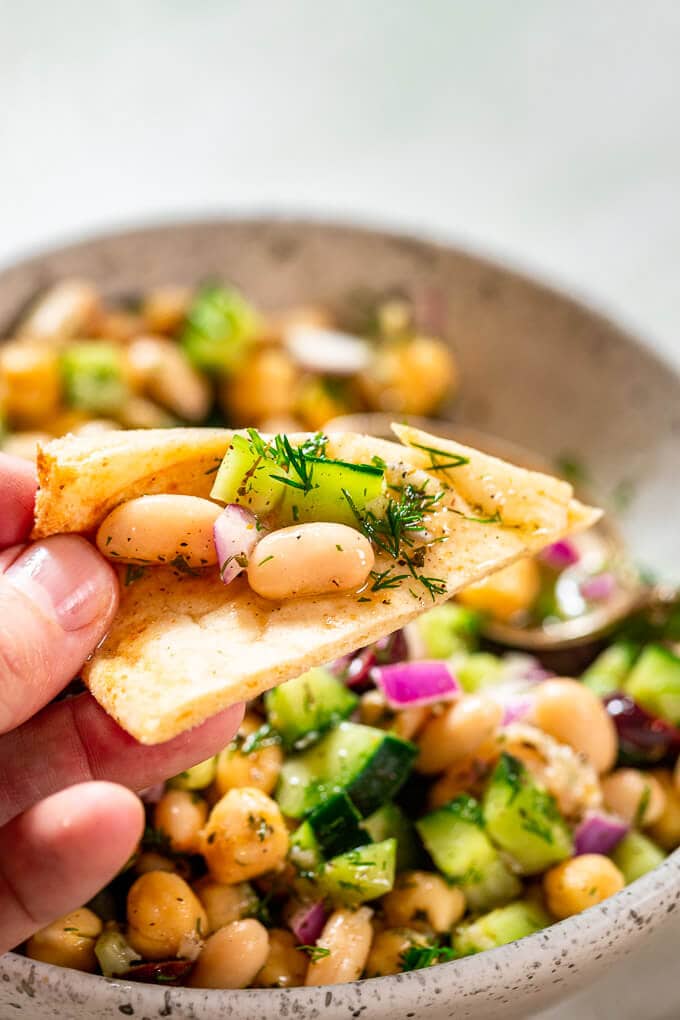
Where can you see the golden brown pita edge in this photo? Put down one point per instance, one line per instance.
(183, 648)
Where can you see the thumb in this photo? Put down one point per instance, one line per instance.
(57, 599)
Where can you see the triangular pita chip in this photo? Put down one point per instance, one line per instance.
(183, 647)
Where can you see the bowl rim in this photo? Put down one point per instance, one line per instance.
(642, 905)
(429, 239)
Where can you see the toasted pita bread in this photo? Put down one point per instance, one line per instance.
(183, 647)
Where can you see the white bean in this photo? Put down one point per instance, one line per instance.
(347, 935)
(310, 559)
(158, 529)
(232, 956)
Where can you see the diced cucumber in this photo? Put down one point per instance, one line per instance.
(244, 477)
(326, 500)
(304, 851)
(608, 672)
(368, 764)
(448, 629)
(479, 670)
(390, 822)
(92, 374)
(654, 682)
(499, 927)
(304, 708)
(335, 825)
(455, 839)
(360, 875)
(219, 328)
(197, 777)
(522, 818)
(635, 855)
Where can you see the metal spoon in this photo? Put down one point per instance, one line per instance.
(631, 593)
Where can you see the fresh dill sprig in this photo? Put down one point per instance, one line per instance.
(134, 572)
(315, 952)
(496, 519)
(395, 533)
(416, 957)
(296, 461)
(454, 459)
(264, 736)
(386, 579)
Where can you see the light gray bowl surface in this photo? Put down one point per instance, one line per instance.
(538, 369)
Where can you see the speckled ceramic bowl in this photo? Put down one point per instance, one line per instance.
(536, 368)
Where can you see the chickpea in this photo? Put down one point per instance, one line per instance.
(457, 732)
(411, 376)
(310, 559)
(573, 715)
(579, 883)
(635, 796)
(225, 903)
(245, 836)
(317, 403)
(388, 948)
(119, 326)
(506, 593)
(423, 901)
(666, 829)
(70, 419)
(347, 935)
(285, 966)
(409, 721)
(67, 309)
(466, 776)
(232, 956)
(162, 912)
(164, 308)
(30, 373)
(259, 768)
(372, 708)
(181, 815)
(68, 942)
(151, 861)
(158, 529)
(160, 369)
(263, 387)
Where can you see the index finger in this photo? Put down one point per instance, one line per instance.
(17, 499)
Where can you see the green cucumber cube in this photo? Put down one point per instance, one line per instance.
(302, 709)
(654, 682)
(522, 818)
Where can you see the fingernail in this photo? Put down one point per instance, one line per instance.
(67, 578)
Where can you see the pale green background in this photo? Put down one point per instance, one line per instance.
(545, 131)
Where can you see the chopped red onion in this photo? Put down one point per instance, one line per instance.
(236, 536)
(406, 684)
(516, 708)
(560, 554)
(598, 588)
(599, 833)
(307, 922)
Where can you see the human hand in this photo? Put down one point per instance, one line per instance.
(67, 821)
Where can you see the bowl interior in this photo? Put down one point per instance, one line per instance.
(536, 367)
